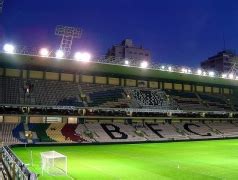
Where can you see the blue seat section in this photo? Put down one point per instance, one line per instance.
(212, 98)
(186, 100)
(234, 100)
(216, 102)
(32, 128)
(70, 102)
(101, 97)
(16, 132)
(40, 129)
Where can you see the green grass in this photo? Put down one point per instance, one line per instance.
(216, 159)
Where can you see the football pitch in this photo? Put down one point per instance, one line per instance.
(216, 159)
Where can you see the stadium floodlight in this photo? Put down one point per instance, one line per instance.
(184, 70)
(204, 73)
(199, 72)
(44, 52)
(189, 71)
(211, 74)
(9, 48)
(163, 67)
(86, 57)
(77, 56)
(231, 76)
(224, 75)
(236, 77)
(59, 54)
(170, 68)
(144, 64)
(127, 62)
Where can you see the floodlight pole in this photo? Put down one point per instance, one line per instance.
(68, 34)
(234, 68)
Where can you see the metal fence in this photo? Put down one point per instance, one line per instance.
(15, 167)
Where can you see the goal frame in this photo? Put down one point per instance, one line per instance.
(48, 163)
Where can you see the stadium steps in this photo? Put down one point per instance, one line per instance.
(69, 132)
(214, 130)
(184, 100)
(199, 98)
(120, 103)
(201, 101)
(100, 135)
(133, 102)
(40, 130)
(142, 134)
(149, 134)
(182, 132)
(18, 132)
(22, 135)
(234, 101)
(94, 134)
(142, 129)
(98, 94)
(83, 96)
(215, 102)
(80, 130)
(34, 137)
(7, 135)
(26, 128)
(103, 96)
(54, 132)
(232, 107)
(229, 102)
(131, 132)
(235, 124)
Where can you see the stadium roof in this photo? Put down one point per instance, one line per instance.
(63, 65)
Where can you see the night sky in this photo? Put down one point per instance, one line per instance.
(180, 32)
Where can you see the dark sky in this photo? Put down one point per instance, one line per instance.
(180, 32)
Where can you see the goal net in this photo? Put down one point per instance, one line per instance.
(53, 163)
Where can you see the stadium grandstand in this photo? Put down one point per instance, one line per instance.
(54, 100)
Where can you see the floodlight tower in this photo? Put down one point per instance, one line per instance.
(68, 34)
(234, 67)
(1, 5)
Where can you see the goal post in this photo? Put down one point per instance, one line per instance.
(54, 163)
